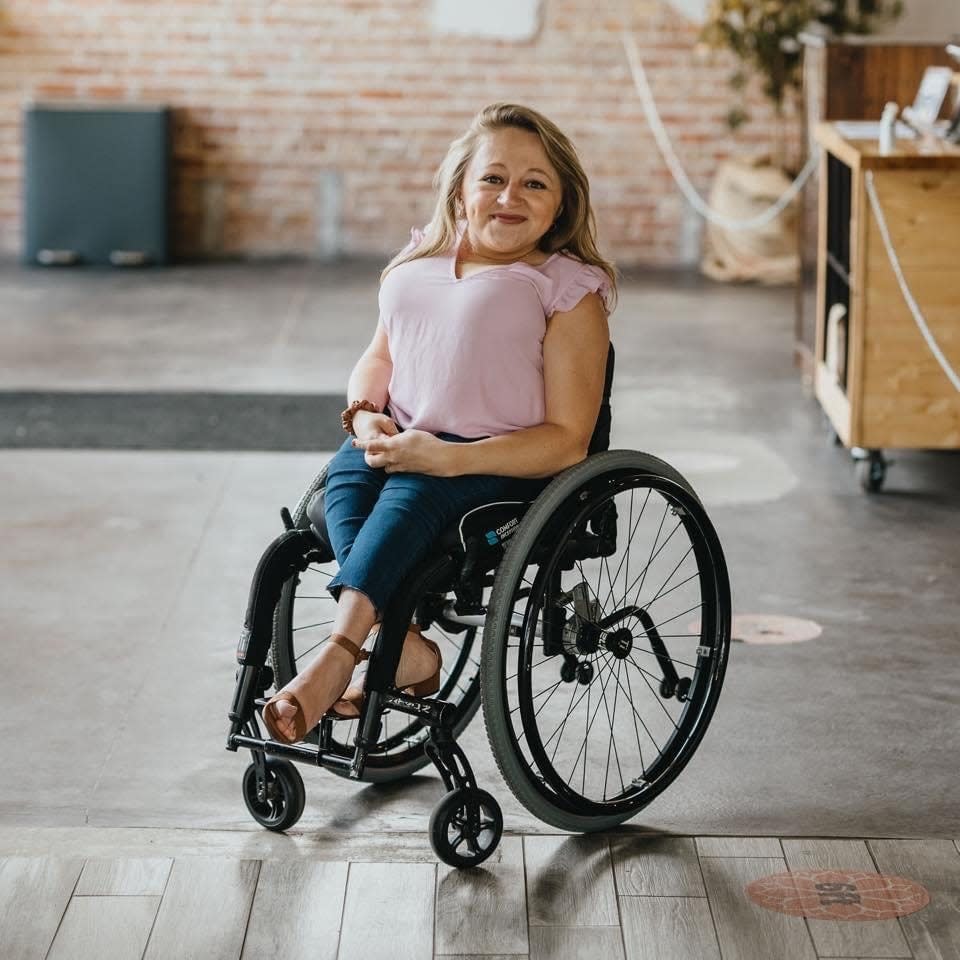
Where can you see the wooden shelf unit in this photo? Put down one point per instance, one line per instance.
(847, 78)
(894, 393)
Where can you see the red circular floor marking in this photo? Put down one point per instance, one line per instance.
(767, 628)
(838, 895)
(771, 628)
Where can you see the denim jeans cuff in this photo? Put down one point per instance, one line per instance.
(336, 586)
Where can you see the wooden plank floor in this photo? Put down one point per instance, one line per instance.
(618, 896)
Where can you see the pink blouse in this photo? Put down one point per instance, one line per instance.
(468, 353)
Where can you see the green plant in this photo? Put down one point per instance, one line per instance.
(763, 35)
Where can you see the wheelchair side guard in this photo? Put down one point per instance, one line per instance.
(290, 553)
(287, 555)
(484, 532)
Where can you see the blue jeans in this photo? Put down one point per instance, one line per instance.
(381, 525)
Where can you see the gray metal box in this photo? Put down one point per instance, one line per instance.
(97, 184)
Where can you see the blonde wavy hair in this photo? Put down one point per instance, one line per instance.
(574, 232)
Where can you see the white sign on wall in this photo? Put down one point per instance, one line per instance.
(695, 10)
(503, 19)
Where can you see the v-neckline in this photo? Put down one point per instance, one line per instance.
(493, 266)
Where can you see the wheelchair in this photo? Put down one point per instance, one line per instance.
(608, 591)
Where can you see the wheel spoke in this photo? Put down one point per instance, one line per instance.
(654, 692)
(653, 547)
(682, 583)
(637, 715)
(552, 688)
(683, 663)
(672, 572)
(643, 576)
(585, 581)
(310, 626)
(570, 710)
(633, 529)
(613, 739)
(605, 564)
(309, 650)
(586, 736)
(564, 722)
(586, 718)
(696, 606)
(629, 695)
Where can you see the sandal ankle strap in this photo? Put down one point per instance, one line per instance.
(341, 641)
(434, 648)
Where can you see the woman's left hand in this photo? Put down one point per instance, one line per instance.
(412, 451)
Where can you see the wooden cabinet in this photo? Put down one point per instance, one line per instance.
(848, 78)
(875, 375)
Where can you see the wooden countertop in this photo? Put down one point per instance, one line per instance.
(811, 38)
(919, 154)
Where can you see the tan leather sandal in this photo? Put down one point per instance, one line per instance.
(270, 715)
(421, 688)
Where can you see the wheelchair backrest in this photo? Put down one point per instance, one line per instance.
(601, 432)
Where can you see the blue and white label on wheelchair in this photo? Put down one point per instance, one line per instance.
(502, 532)
(492, 523)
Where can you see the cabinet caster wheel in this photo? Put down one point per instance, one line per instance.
(871, 472)
(280, 802)
(465, 827)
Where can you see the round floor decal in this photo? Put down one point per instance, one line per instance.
(770, 628)
(838, 895)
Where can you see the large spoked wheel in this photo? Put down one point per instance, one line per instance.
(303, 624)
(606, 641)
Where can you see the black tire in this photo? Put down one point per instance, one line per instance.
(872, 472)
(285, 798)
(400, 752)
(571, 503)
(450, 835)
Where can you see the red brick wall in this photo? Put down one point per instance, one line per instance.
(274, 99)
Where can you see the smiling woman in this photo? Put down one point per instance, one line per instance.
(510, 200)
(482, 381)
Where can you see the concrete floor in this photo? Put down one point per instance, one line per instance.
(124, 574)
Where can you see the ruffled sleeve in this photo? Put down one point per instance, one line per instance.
(416, 235)
(578, 281)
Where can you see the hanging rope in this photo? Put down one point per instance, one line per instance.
(679, 175)
(904, 289)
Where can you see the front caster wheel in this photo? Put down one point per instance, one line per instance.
(279, 802)
(465, 827)
(871, 472)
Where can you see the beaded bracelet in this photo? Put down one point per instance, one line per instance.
(346, 418)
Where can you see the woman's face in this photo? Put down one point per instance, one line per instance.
(511, 192)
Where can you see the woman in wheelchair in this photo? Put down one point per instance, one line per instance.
(483, 380)
(579, 594)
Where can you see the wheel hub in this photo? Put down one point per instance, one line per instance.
(581, 635)
(619, 643)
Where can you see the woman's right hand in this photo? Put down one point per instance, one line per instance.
(371, 426)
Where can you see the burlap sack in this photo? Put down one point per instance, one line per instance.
(743, 188)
